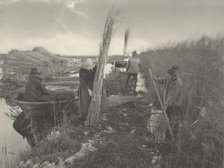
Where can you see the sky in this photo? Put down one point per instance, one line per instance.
(75, 27)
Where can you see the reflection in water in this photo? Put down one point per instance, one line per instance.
(11, 143)
(141, 83)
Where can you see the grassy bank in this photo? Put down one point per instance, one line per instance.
(122, 140)
(118, 139)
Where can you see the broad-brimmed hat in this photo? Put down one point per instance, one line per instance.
(173, 69)
(87, 64)
(34, 71)
(134, 53)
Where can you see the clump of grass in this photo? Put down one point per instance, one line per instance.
(122, 147)
(52, 148)
(123, 153)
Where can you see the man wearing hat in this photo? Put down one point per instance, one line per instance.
(172, 96)
(132, 69)
(35, 90)
(86, 78)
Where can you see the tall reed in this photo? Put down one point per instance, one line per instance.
(202, 72)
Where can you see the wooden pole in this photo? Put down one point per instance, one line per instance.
(95, 105)
(126, 36)
(161, 104)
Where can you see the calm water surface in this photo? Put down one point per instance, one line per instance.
(11, 143)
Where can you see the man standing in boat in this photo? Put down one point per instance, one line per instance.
(132, 69)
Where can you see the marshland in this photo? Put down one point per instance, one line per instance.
(126, 127)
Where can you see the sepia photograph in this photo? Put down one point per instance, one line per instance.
(111, 83)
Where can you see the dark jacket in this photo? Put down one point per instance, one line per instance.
(172, 95)
(133, 65)
(21, 125)
(35, 90)
(86, 78)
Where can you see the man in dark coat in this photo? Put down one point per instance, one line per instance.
(35, 90)
(86, 78)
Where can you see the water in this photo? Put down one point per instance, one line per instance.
(11, 143)
(141, 83)
(10, 140)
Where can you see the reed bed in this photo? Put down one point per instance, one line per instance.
(201, 69)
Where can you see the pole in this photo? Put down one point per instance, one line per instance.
(161, 104)
(126, 36)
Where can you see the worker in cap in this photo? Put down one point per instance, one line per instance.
(132, 69)
(172, 97)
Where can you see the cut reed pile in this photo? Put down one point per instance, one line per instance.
(17, 64)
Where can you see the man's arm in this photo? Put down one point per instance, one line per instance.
(128, 64)
(160, 80)
(39, 86)
(43, 90)
(139, 63)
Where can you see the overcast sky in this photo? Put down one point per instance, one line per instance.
(74, 27)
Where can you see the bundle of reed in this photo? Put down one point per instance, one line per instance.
(23, 61)
(95, 105)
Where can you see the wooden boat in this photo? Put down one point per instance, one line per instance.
(32, 109)
(42, 115)
(39, 109)
(53, 110)
(117, 100)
